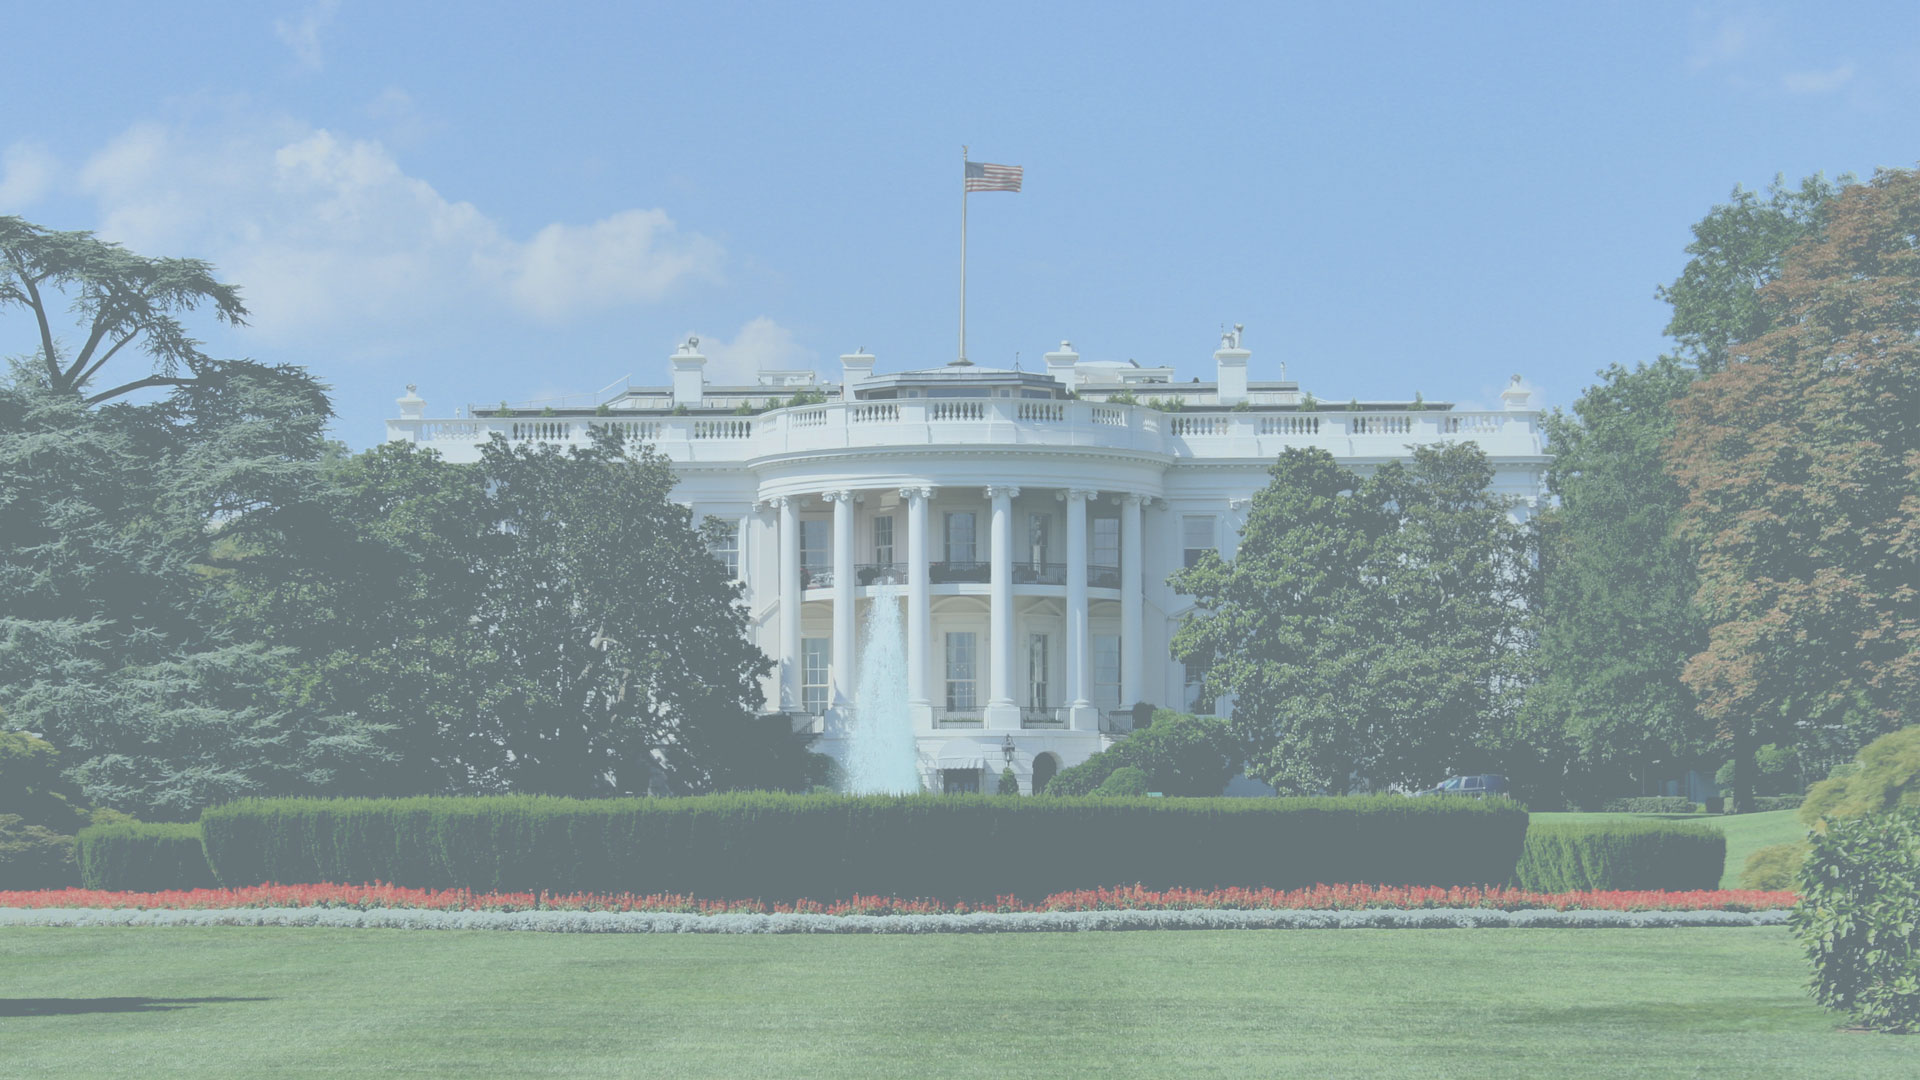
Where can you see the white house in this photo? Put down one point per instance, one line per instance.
(1029, 521)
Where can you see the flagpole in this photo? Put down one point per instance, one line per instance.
(963, 255)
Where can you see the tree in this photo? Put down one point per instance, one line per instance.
(115, 640)
(1366, 628)
(1718, 299)
(1616, 616)
(121, 299)
(1801, 471)
(543, 621)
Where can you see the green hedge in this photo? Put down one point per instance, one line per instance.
(1651, 804)
(143, 857)
(778, 847)
(1675, 855)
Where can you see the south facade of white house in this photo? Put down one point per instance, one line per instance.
(1026, 521)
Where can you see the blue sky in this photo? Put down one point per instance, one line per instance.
(499, 202)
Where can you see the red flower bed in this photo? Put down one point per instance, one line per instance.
(1320, 897)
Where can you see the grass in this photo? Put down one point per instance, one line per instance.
(1745, 832)
(232, 1002)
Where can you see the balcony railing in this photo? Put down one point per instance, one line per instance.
(1044, 716)
(880, 574)
(1035, 573)
(1258, 433)
(1103, 577)
(954, 717)
(959, 573)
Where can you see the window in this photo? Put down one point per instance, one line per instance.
(816, 544)
(1106, 541)
(1106, 670)
(960, 781)
(816, 659)
(1197, 702)
(883, 540)
(1037, 671)
(728, 550)
(962, 670)
(1037, 526)
(960, 547)
(1197, 536)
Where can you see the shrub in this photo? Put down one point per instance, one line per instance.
(1125, 780)
(773, 846)
(1673, 855)
(1887, 775)
(1773, 868)
(1009, 784)
(1181, 754)
(1651, 804)
(34, 856)
(1763, 803)
(143, 857)
(1859, 917)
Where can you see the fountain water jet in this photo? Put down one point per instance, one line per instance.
(880, 754)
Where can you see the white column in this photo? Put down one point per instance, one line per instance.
(843, 658)
(1001, 710)
(919, 619)
(1132, 611)
(1079, 647)
(789, 604)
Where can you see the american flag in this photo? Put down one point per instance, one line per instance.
(984, 177)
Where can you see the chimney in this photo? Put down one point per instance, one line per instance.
(689, 374)
(1230, 363)
(1060, 364)
(1516, 396)
(855, 367)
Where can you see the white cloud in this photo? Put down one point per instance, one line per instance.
(27, 171)
(632, 256)
(323, 230)
(302, 35)
(1817, 82)
(1728, 40)
(760, 344)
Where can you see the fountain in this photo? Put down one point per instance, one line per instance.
(880, 755)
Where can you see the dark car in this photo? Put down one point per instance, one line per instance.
(1477, 786)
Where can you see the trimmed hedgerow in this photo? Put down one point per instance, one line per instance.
(1763, 803)
(963, 847)
(143, 856)
(1651, 804)
(1570, 857)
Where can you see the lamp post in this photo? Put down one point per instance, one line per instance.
(1006, 749)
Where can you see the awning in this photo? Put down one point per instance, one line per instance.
(963, 754)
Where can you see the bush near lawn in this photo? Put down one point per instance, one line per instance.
(823, 847)
(1859, 917)
(1574, 857)
(143, 857)
(1651, 804)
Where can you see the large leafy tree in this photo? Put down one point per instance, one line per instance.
(542, 621)
(115, 640)
(121, 299)
(1366, 628)
(1801, 470)
(1617, 620)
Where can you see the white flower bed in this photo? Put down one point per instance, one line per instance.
(610, 922)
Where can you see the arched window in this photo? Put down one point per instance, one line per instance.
(1044, 767)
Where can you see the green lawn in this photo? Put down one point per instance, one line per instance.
(1745, 832)
(232, 1002)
